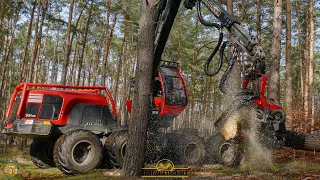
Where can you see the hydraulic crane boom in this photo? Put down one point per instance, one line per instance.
(169, 8)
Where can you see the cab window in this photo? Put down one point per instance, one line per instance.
(175, 92)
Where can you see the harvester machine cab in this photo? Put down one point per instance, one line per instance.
(169, 95)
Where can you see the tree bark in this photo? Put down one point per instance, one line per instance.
(259, 21)
(35, 46)
(288, 96)
(8, 50)
(301, 63)
(274, 84)
(84, 44)
(311, 65)
(26, 48)
(67, 46)
(306, 71)
(122, 68)
(105, 60)
(134, 159)
(73, 67)
(38, 44)
(96, 69)
(233, 83)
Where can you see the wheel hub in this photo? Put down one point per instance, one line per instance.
(83, 152)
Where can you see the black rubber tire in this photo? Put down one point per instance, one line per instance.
(77, 143)
(213, 145)
(189, 149)
(115, 146)
(231, 153)
(42, 154)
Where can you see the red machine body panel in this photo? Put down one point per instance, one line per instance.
(262, 101)
(74, 95)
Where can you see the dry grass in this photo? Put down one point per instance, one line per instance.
(288, 164)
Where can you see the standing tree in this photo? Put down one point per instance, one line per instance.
(288, 96)
(134, 159)
(26, 48)
(311, 62)
(84, 44)
(274, 84)
(259, 21)
(68, 46)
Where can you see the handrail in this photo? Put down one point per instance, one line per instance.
(24, 86)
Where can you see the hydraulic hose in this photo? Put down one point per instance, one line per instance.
(204, 22)
(206, 68)
(223, 81)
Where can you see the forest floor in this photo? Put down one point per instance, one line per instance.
(287, 164)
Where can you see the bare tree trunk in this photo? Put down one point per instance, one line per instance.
(73, 68)
(105, 60)
(311, 64)
(38, 44)
(122, 60)
(288, 95)
(84, 44)
(301, 88)
(274, 84)
(76, 26)
(306, 72)
(134, 159)
(42, 60)
(67, 47)
(234, 78)
(35, 46)
(259, 20)
(26, 48)
(8, 50)
(96, 69)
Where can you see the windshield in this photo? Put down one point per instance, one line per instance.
(173, 87)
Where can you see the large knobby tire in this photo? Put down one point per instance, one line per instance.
(77, 152)
(115, 146)
(42, 154)
(189, 149)
(213, 145)
(231, 153)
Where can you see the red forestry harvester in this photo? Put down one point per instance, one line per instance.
(74, 127)
(70, 125)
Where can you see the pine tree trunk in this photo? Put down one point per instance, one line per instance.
(35, 44)
(105, 60)
(8, 51)
(134, 159)
(26, 48)
(301, 63)
(311, 64)
(96, 68)
(274, 84)
(35, 56)
(84, 44)
(306, 72)
(259, 21)
(233, 83)
(72, 78)
(288, 95)
(67, 46)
